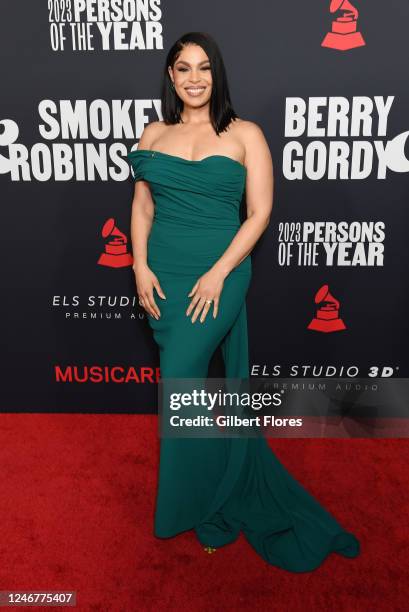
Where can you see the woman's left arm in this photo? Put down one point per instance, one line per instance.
(259, 197)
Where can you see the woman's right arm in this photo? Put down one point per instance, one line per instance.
(143, 209)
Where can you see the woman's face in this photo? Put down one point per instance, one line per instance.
(192, 76)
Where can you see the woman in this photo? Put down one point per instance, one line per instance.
(190, 172)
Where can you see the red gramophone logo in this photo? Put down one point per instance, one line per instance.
(344, 34)
(115, 255)
(327, 315)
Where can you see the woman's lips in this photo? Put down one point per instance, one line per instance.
(195, 91)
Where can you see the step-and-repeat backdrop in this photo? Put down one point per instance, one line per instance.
(327, 83)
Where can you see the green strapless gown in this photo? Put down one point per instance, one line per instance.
(219, 486)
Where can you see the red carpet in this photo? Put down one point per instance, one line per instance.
(77, 509)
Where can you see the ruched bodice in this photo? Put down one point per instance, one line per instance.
(196, 202)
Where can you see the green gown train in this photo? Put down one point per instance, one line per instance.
(219, 487)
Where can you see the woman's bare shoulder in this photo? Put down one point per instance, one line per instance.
(253, 141)
(247, 129)
(151, 133)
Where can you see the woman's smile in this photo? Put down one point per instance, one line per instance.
(195, 91)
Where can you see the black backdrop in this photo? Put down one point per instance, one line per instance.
(52, 222)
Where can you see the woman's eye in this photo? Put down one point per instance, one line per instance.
(185, 69)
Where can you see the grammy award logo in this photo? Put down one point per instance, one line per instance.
(344, 34)
(115, 255)
(327, 315)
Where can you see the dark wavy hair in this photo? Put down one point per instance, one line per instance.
(221, 110)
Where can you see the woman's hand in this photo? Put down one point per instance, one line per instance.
(206, 290)
(146, 280)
